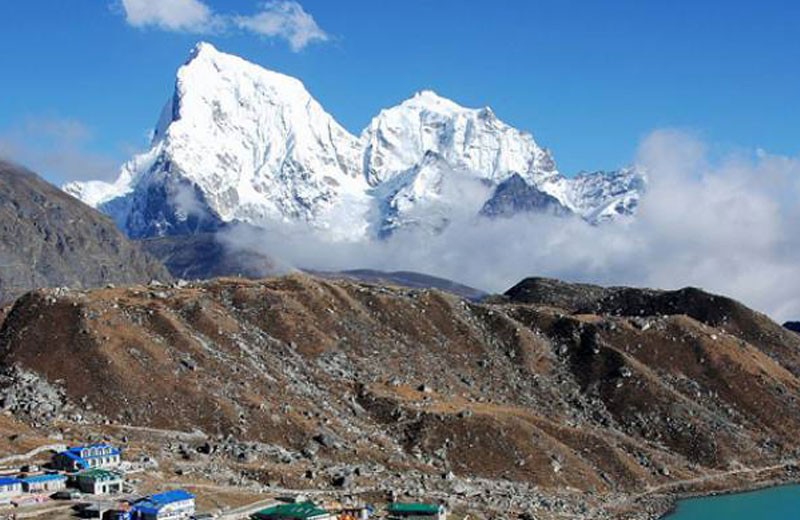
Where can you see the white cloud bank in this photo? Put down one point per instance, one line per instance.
(283, 19)
(727, 226)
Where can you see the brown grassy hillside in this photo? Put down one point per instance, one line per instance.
(613, 399)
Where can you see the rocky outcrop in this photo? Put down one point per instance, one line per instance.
(50, 239)
(514, 196)
(29, 397)
(645, 305)
(794, 326)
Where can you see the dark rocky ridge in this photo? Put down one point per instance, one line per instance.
(794, 326)
(408, 279)
(514, 196)
(556, 293)
(49, 239)
(204, 255)
(710, 309)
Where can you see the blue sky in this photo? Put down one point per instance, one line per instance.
(82, 82)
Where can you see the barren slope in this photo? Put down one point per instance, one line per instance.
(619, 399)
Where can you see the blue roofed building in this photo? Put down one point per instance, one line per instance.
(169, 505)
(9, 488)
(93, 456)
(47, 483)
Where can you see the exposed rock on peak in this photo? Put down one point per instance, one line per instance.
(514, 196)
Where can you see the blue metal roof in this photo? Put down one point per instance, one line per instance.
(74, 453)
(154, 503)
(8, 481)
(80, 461)
(76, 450)
(43, 478)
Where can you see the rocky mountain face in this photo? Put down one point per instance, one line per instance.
(606, 196)
(238, 143)
(514, 195)
(554, 400)
(204, 255)
(49, 239)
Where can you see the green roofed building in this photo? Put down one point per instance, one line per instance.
(298, 511)
(416, 511)
(99, 481)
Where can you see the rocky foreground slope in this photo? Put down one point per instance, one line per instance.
(49, 239)
(555, 400)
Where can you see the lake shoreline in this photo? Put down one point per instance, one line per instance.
(737, 490)
(661, 503)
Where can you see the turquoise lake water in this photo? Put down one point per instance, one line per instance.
(778, 503)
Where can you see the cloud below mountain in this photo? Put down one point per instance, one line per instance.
(283, 19)
(728, 226)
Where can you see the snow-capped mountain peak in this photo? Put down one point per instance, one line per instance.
(238, 142)
(203, 50)
(469, 139)
(428, 100)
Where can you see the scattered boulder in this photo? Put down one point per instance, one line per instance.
(30, 397)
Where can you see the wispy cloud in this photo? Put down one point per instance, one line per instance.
(284, 19)
(728, 226)
(169, 15)
(58, 148)
(281, 19)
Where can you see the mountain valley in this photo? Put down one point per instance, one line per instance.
(158, 313)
